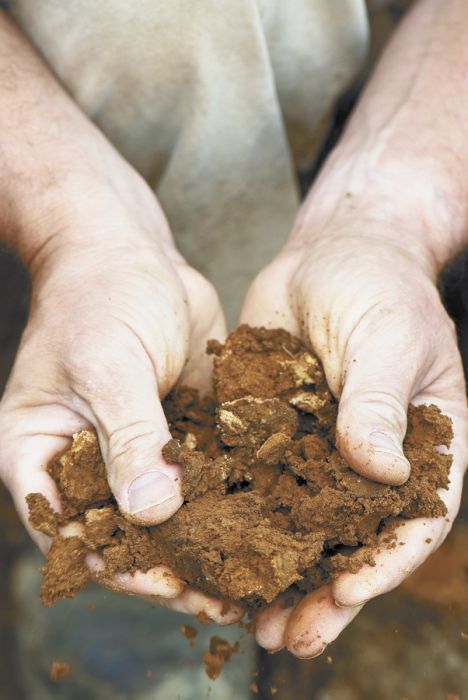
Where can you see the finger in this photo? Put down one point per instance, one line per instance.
(418, 538)
(158, 581)
(207, 322)
(267, 301)
(118, 394)
(382, 369)
(271, 623)
(160, 585)
(194, 602)
(415, 541)
(23, 465)
(315, 622)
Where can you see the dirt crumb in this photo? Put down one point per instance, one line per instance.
(219, 653)
(269, 504)
(42, 517)
(189, 632)
(59, 670)
(203, 618)
(65, 572)
(80, 473)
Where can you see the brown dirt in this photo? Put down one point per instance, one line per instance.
(189, 632)
(269, 503)
(59, 670)
(219, 653)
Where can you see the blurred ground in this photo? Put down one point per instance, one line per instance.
(14, 290)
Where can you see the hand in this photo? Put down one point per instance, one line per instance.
(117, 317)
(374, 317)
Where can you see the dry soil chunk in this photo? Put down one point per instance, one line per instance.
(41, 515)
(250, 421)
(80, 473)
(65, 572)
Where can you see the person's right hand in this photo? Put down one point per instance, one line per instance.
(115, 314)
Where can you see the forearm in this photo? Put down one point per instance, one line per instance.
(56, 167)
(404, 154)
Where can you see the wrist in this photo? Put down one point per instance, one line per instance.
(82, 279)
(88, 214)
(389, 200)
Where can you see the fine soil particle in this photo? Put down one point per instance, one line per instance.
(269, 503)
(219, 653)
(59, 670)
(189, 632)
(203, 618)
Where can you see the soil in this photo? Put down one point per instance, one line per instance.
(190, 633)
(59, 670)
(269, 503)
(218, 654)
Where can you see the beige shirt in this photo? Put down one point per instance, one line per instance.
(215, 102)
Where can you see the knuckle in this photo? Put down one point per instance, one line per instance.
(125, 440)
(199, 289)
(372, 405)
(209, 293)
(91, 361)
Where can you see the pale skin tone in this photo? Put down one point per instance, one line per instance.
(117, 316)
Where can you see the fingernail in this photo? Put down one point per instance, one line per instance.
(351, 605)
(319, 653)
(313, 656)
(148, 490)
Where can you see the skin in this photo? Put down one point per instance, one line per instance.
(356, 279)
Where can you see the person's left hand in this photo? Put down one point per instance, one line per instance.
(372, 313)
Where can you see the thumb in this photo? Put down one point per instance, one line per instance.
(132, 431)
(147, 489)
(372, 415)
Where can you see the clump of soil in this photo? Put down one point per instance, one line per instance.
(219, 653)
(268, 501)
(59, 670)
(189, 632)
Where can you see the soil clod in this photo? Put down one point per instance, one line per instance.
(269, 503)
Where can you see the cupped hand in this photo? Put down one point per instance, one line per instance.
(117, 317)
(371, 311)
